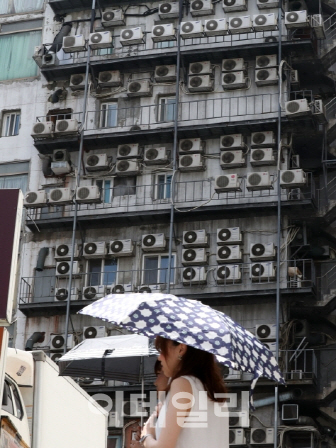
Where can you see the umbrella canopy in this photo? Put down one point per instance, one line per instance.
(128, 358)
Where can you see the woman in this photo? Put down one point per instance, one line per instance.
(193, 415)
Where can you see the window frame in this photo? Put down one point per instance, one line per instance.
(165, 186)
(17, 173)
(11, 7)
(7, 114)
(159, 255)
(162, 109)
(19, 414)
(102, 272)
(104, 113)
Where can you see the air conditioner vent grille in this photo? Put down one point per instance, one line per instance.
(162, 71)
(31, 197)
(222, 181)
(39, 128)
(189, 274)
(223, 272)
(189, 255)
(123, 165)
(254, 179)
(134, 87)
(69, 41)
(196, 68)
(259, 435)
(83, 193)
(292, 17)
(77, 79)
(258, 270)
(293, 107)
(90, 248)
(152, 154)
(288, 177)
(149, 240)
(62, 250)
(236, 22)
(90, 292)
(165, 8)
(62, 125)
(190, 237)
(186, 161)
(227, 157)
(108, 16)
(62, 294)
(117, 246)
(56, 195)
(90, 333)
(229, 78)
(127, 34)
(258, 154)
(63, 267)
(187, 27)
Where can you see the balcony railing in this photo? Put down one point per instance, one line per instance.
(298, 364)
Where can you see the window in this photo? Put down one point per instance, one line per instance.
(11, 401)
(20, 6)
(14, 175)
(167, 108)
(10, 123)
(156, 269)
(114, 442)
(105, 186)
(109, 115)
(167, 44)
(102, 272)
(124, 186)
(163, 186)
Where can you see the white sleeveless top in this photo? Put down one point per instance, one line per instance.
(205, 427)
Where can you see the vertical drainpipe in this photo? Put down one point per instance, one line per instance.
(172, 188)
(79, 165)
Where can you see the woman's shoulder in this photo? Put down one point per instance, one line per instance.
(182, 383)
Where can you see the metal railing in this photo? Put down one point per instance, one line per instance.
(298, 364)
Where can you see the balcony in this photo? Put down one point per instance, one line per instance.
(299, 366)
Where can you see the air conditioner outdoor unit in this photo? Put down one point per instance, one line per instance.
(259, 181)
(63, 252)
(296, 19)
(266, 77)
(34, 199)
(150, 288)
(266, 61)
(122, 288)
(263, 272)
(234, 5)
(63, 268)
(194, 256)
(55, 357)
(216, 27)
(262, 436)
(230, 374)
(292, 178)
(88, 194)
(318, 26)
(233, 65)
(169, 10)
(241, 24)
(43, 129)
(296, 375)
(266, 4)
(263, 139)
(262, 156)
(101, 39)
(191, 145)
(129, 151)
(94, 292)
(97, 162)
(97, 249)
(265, 332)
(290, 412)
(141, 87)
(319, 111)
(202, 83)
(154, 242)
(234, 80)
(110, 78)
(72, 44)
(239, 419)
(60, 155)
(265, 22)
(113, 17)
(59, 168)
(191, 162)
(227, 182)
(60, 196)
(66, 126)
(127, 168)
(231, 235)
(234, 141)
(131, 36)
(237, 435)
(77, 81)
(195, 238)
(259, 251)
(62, 294)
(232, 159)
(195, 275)
(94, 332)
(156, 156)
(229, 254)
(57, 342)
(227, 274)
(294, 79)
(297, 108)
(165, 73)
(191, 30)
(200, 68)
(161, 33)
(122, 248)
(201, 8)
(49, 60)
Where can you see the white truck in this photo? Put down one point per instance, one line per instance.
(43, 410)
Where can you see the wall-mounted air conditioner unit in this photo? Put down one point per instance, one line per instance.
(97, 162)
(60, 168)
(169, 10)
(294, 79)
(72, 44)
(216, 27)
(122, 288)
(129, 151)
(191, 162)
(317, 24)
(57, 342)
(234, 141)
(227, 274)
(94, 332)
(265, 22)
(60, 155)
(191, 145)
(101, 39)
(237, 435)
(239, 419)
(110, 78)
(141, 87)
(88, 194)
(262, 156)
(267, 4)
(234, 5)
(195, 238)
(97, 249)
(319, 111)
(266, 77)
(241, 24)
(77, 81)
(259, 181)
(113, 17)
(194, 256)
(232, 159)
(297, 108)
(292, 178)
(230, 374)
(49, 60)
(262, 251)
(156, 156)
(201, 8)
(60, 196)
(94, 292)
(202, 83)
(55, 357)
(122, 248)
(263, 139)
(34, 199)
(200, 68)
(233, 65)
(63, 268)
(154, 242)
(127, 168)
(191, 30)
(231, 235)
(62, 294)
(66, 127)
(165, 73)
(63, 252)
(266, 61)
(262, 436)
(132, 36)
(195, 275)
(227, 182)
(263, 272)
(43, 129)
(229, 254)
(234, 80)
(290, 412)
(150, 288)
(296, 19)
(265, 332)
(161, 33)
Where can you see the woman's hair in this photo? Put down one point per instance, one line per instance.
(157, 367)
(197, 363)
